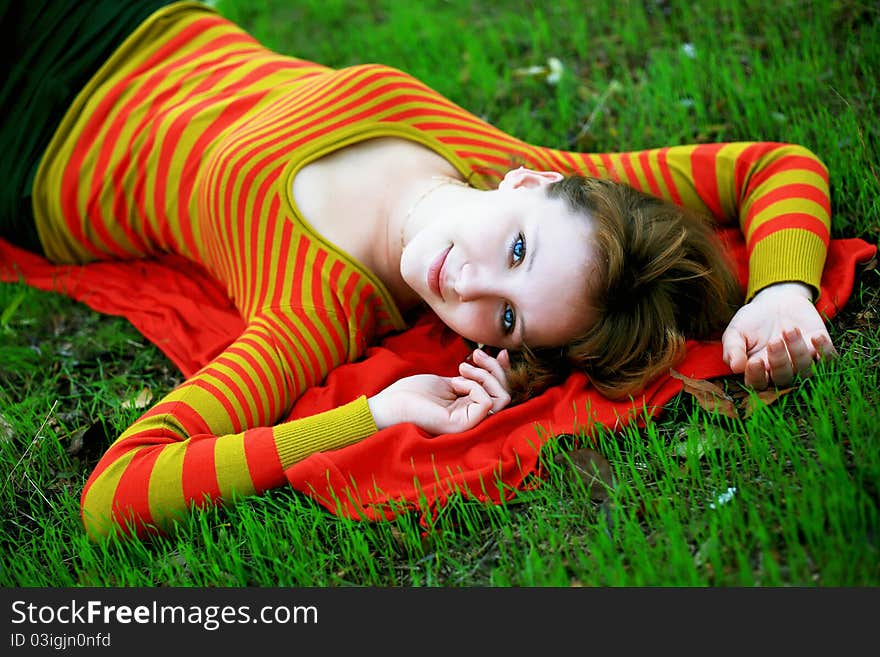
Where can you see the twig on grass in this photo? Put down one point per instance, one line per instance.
(37, 435)
(39, 492)
(613, 87)
(859, 131)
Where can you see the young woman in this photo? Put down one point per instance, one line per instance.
(331, 203)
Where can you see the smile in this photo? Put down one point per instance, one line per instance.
(435, 270)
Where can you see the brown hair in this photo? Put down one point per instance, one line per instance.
(664, 277)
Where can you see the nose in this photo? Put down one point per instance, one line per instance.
(474, 282)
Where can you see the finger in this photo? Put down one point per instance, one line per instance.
(475, 404)
(503, 359)
(800, 352)
(824, 348)
(733, 350)
(465, 387)
(494, 365)
(779, 360)
(495, 388)
(756, 373)
(481, 359)
(478, 374)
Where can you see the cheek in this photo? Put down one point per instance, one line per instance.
(562, 312)
(472, 320)
(413, 265)
(408, 261)
(418, 252)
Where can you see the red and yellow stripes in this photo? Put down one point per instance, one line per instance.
(187, 141)
(778, 193)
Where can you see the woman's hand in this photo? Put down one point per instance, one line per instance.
(446, 404)
(776, 337)
(491, 373)
(437, 404)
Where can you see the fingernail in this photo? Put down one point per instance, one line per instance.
(792, 334)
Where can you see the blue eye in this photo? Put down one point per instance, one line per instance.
(518, 249)
(508, 320)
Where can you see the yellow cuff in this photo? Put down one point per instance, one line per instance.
(325, 431)
(793, 255)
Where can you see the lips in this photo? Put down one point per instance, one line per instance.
(433, 276)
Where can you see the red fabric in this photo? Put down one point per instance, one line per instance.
(400, 466)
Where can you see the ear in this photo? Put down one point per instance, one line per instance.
(528, 178)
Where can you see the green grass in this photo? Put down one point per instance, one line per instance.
(787, 496)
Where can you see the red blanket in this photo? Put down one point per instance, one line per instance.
(178, 307)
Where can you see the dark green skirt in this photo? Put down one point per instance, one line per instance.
(51, 49)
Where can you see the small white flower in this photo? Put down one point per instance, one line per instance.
(555, 66)
(725, 497)
(689, 50)
(551, 71)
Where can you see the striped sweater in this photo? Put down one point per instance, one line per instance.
(187, 141)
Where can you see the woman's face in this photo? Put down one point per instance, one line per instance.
(509, 268)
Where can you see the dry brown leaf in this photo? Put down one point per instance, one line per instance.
(404, 544)
(397, 535)
(7, 433)
(76, 441)
(141, 401)
(592, 468)
(739, 396)
(709, 395)
(89, 443)
(869, 265)
(763, 398)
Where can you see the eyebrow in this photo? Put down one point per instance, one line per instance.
(533, 249)
(522, 333)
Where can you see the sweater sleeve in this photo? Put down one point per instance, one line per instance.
(778, 194)
(215, 436)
